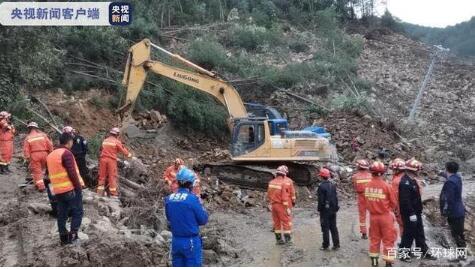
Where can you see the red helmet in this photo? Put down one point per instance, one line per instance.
(377, 167)
(362, 164)
(115, 131)
(179, 161)
(413, 165)
(282, 170)
(67, 129)
(397, 164)
(325, 173)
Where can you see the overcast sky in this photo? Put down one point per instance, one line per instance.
(435, 13)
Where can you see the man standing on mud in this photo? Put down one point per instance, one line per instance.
(80, 151)
(410, 205)
(279, 194)
(185, 214)
(360, 179)
(328, 206)
(451, 204)
(66, 186)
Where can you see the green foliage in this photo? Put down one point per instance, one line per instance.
(350, 102)
(94, 145)
(251, 37)
(208, 54)
(197, 112)
(298, 46)
(459, 38)
(387, 20)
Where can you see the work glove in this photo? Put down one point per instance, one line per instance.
(413, 218)
(288, 212)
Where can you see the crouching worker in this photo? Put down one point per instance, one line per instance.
(185, 214)
(66, 186)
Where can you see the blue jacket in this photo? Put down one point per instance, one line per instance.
(451, 204)
(185, 213)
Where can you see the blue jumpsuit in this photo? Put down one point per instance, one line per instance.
(185, 214)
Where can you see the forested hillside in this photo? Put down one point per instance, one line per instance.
(460, 38)
(258, 45)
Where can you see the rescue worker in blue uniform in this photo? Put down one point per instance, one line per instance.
(185, 214)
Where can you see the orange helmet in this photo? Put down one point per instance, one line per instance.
(397, 164)
(413, 165)
(179, 161)
(362, 164)
(325, 173)
(377, 167)
(282, 170)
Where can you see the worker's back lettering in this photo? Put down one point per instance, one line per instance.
(178, 196)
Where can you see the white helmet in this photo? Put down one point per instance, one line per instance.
(115, 131)
(32, 124)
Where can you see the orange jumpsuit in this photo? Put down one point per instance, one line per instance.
(380, 203)
(293, 197)
(279, 194)
(111, 146)
(360, 179)
(36, 148)
(170, 177)
(7, 134)
(395, 186)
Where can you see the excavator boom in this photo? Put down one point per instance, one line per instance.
(258, 145)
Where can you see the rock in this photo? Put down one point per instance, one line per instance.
(210, 257)
(85, 222)
(167, 235)
(82, 236)
(133, 131)
(38, 208)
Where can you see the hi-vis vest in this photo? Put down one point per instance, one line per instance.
(60, 181)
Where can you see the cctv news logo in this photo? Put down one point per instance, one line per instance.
(65, 13)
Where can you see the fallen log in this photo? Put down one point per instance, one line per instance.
(130, 183)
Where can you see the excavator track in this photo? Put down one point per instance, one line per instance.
(257, 175)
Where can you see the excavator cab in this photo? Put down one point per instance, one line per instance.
(247, 135)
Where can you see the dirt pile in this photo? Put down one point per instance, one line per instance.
(445, 119)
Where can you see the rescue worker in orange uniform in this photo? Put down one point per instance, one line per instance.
(36, 148)
(66, 185)
(380, 202)
(279, 194)
(360, 179)
(170, 174)
(108, 173)
(293, 196)
(7, 134)
(397, 165)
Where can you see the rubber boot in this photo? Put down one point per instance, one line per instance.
(388, 264)
(364, 236)
(65, 239)
(74, 238)
(278, 238)
(374, 261)
(2, 169)
(7, 169)
(288, 239)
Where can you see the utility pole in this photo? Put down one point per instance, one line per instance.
(439, 52)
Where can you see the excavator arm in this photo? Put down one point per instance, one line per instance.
(139, 64)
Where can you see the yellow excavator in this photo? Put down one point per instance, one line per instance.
(258, 144)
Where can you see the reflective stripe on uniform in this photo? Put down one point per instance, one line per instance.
(109, 144)
(360, 181)
(58, 175)
(62, 184)
(35, 139)
(373, 254)
(100, 187)
(272, 186)
(287, 232)
(375, 195)
(277, 231)
(285, 203)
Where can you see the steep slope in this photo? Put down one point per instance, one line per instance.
(445, 119)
